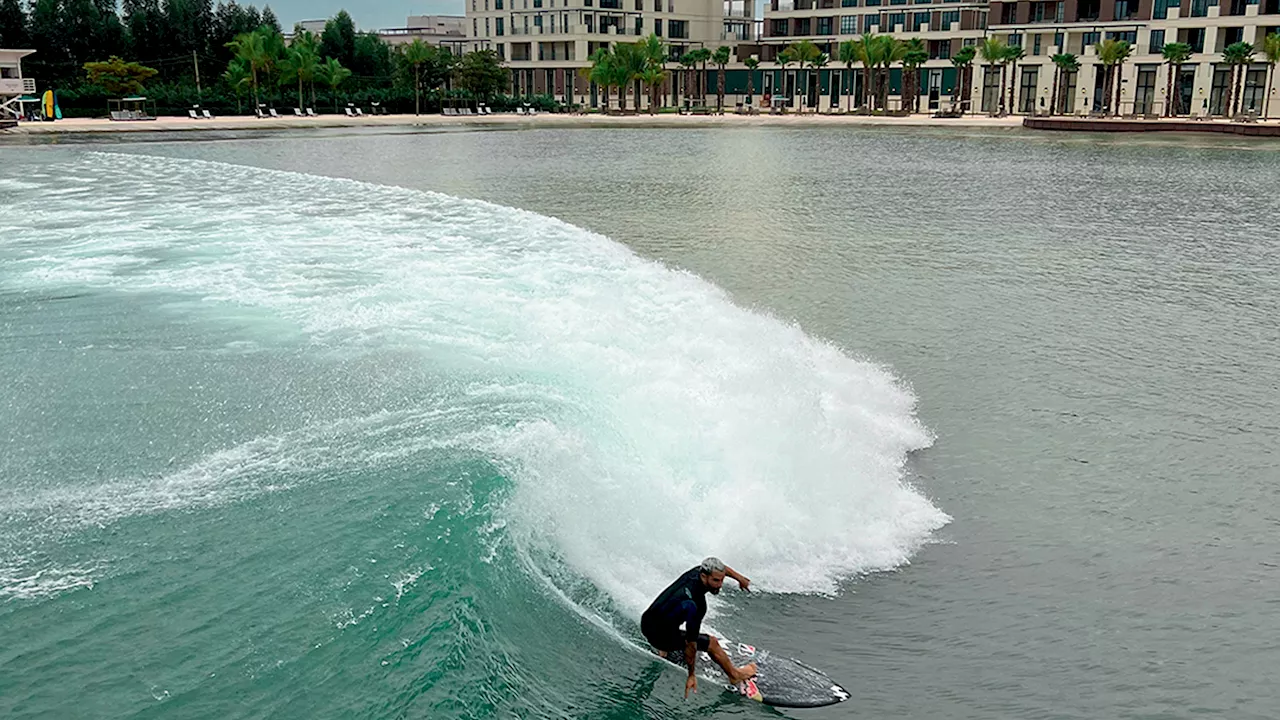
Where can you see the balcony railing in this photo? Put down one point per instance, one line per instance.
(17, 86)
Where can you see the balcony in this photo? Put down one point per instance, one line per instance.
(18, 86)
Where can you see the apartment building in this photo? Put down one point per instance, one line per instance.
(546, 42)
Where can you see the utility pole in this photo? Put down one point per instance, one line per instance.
(196, 60)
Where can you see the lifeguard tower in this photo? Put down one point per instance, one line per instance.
(14, 89)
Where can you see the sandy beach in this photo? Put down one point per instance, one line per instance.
(165, 124)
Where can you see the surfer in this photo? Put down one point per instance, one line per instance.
(685, 602)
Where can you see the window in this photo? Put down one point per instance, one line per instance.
(872, 3)
(1160, 10)
(678, 29)
(824, 26)
(497, 4)
(486, 27)
(657, 28)
(848, 24)
(1157, 41)
(475, 28)
(1232, 35)
(657, 5)
(1008, 14)
(1130, 36)
(473, 5)
(944, 49)
(804, 26)
(869, 22)
(948, 17)
(639, 26)
(486, 5)
(1057, 41)
(1123, 10)
(778, 28)
(897, 2)
(497, 27)
(896, 19)
(1015, 40)
(1087, 10)
(848, 3)
(1035, 45)
(1090, 39)
(920, 21)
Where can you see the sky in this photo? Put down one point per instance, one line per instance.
(368, 14)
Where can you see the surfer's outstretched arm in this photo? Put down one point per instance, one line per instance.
(690, 656)
(743, 581)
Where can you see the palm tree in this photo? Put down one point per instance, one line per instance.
(689, 62)
(818, 64)
(994, 51)
(720, 58)
(331, 73)
(702, 55)
(601, 72)
(299, 63)
(250, 48)
(804, 53)
(630, 62)
(963, 62)
(752, 63)
(654, 52)
(1014, 54)
(785, 58)
(1239, 55)
(1063, 63)
(1271, 50)
(238, 78)
(891, 51)
(1123, 51)
(1175, 54)
(417, 54)
(916, 55)
(1108, 51)
(865, 48)
(847, 53)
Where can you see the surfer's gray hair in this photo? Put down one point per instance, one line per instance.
(711, 565)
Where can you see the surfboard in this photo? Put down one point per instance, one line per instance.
(779, 681)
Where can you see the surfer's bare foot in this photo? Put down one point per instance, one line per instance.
(746, 672)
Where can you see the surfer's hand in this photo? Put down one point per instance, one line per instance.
(690, 685)
(744, 582)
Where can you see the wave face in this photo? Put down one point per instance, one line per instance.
(577, 422)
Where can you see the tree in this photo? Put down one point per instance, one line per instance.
(655, 55)
(238, 78)
(702, 55)
(338, 41)
(1175, 54)
(1013, 54)
(269, 19)
(1123, 51)
(891, 51)
(995, 52)
(1063, 64)
(299, 63)
(13, 25)
(847, 53)
(629, 63)
(331, 73)
(118, 77)
(866, 48)
(481, 73)
(601, 72)
(688, 62)
(804, 53)
(1270, 50)
(251, 49)
(752, 64)
(416, 55)
(371, 57)
(721, 58)
(915, 56)
(963, 62)
(1239, 55)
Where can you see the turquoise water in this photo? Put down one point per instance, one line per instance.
(289, 434)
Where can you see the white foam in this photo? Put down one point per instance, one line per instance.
(645, 420)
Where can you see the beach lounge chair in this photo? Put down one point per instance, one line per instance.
(192, 114)
(207, 115)
(520, 110)
(348, 112)
(273, 113)
(311, 112)
(258, 113)
(297, 112)
(359, 112)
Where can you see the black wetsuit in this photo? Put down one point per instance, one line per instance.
(683, 602)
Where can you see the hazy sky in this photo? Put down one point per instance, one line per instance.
(368, 14)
